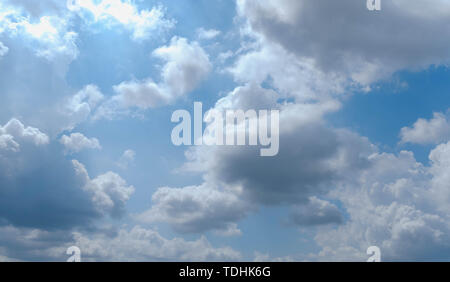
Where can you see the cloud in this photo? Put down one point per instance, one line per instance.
(3, 50)
(433, 131)
(292, 77)
(316, 212)
(77, 142)
(143, 24)
(311, 154)
(81, 106)
(41, 189)
(312, 158)
(109, 192)
(396, 204)
(137, 244)
(15, 130)
(186, 66)
(196, 209)
(48, 34)
(38, 8)
(141, 244)
(126, 159)
(362, 45)
(207, 34)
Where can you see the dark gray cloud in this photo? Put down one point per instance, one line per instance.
(39, 188)
(316, 212)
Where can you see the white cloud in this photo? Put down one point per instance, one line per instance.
(186, 66)
(142, 23)
(433, 131)
(396, 204)
(109, 191)
(50, 36)
(14, 132)
(292, 77)
(207, 33)
(81, 106)
(141, 244)
(77, 142)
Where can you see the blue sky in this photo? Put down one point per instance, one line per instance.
(86, 155)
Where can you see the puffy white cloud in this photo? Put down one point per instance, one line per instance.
(290, 76)
(77, 142)
(186, 65)
(109, 192)
(396, 204)
(207, 33)
(433, 131)
(81, 106)
(49, 36)
(343, 37)
(142, 23)
(14, 131)
(197, 209)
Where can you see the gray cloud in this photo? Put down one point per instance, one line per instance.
(137, 244)
(40, 189)
(198, 209)
(316, 212)
(342, 36)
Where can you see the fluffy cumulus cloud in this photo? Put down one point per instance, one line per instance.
(433, 131)
(77, 142)
(14, 131)
(362, 45)
(197, 209)
(141, 23)
(330, 181)
(109, 192)
(186, 66)
(397, 204)
(49, 35)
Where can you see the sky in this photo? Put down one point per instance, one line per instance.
(88, 89)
